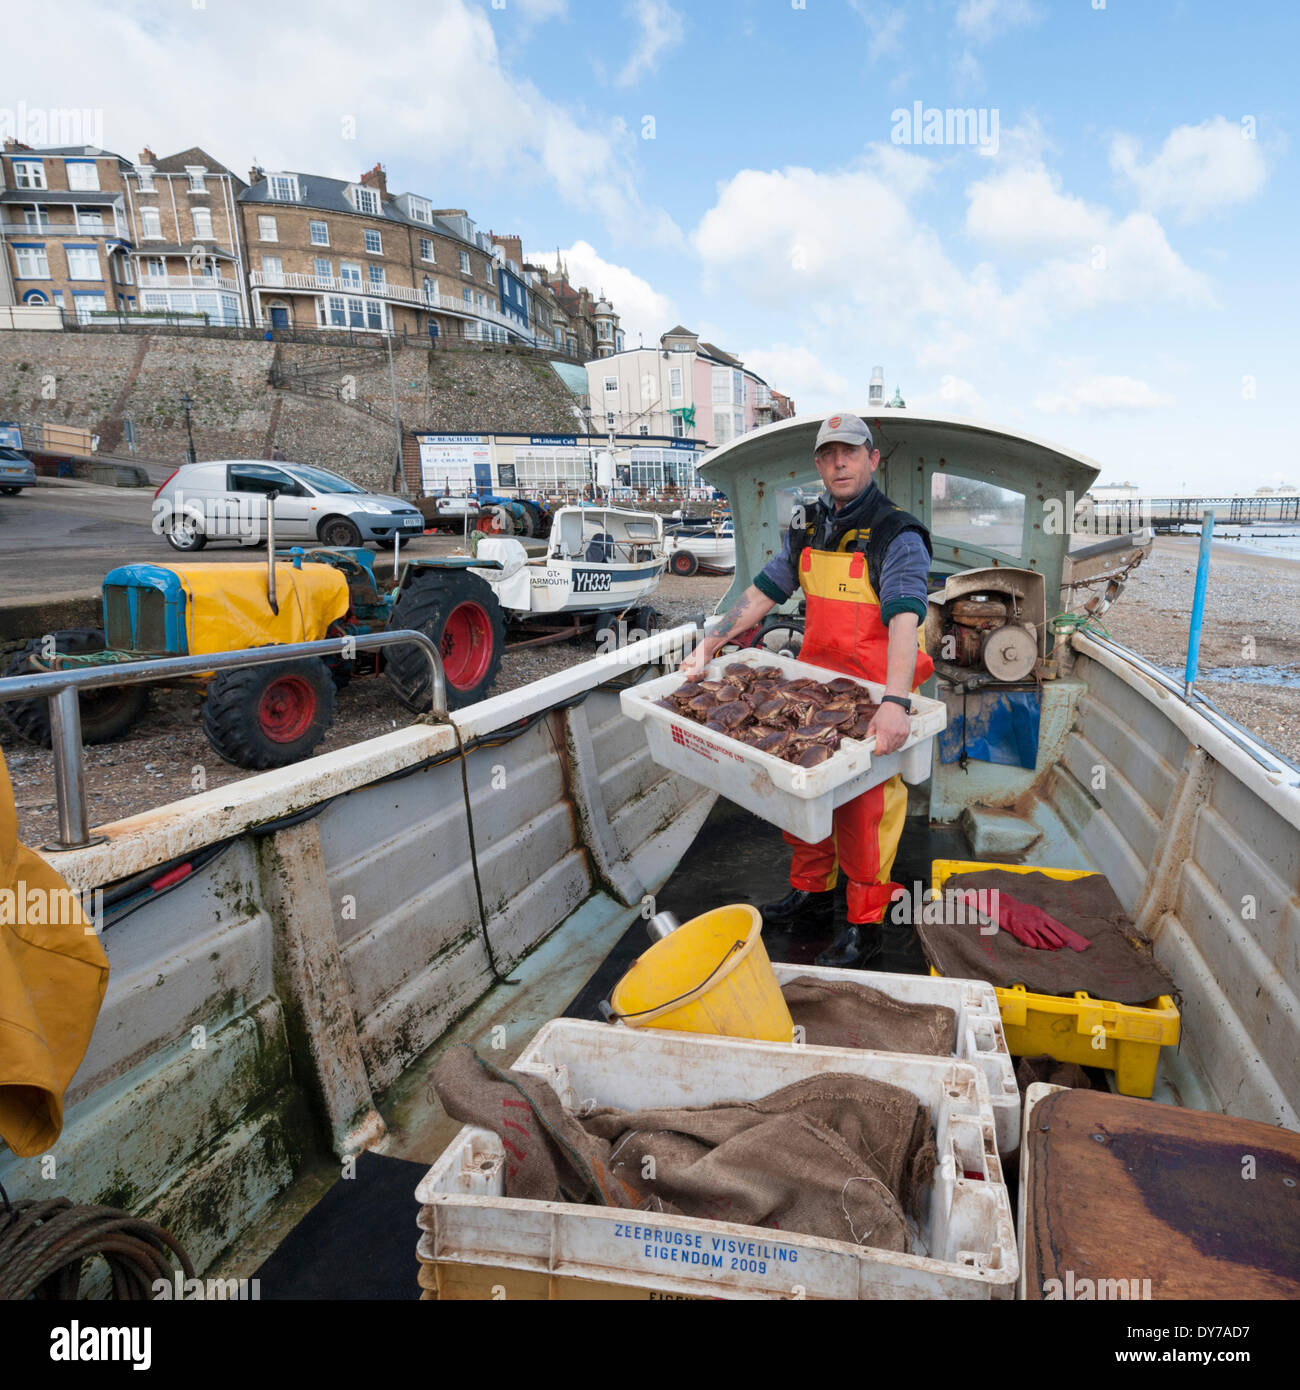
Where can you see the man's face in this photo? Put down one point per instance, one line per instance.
(845, 469)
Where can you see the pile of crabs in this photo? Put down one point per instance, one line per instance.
(801, 720)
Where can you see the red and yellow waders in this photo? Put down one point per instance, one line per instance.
(844, 633)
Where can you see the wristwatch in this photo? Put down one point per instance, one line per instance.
(904, 700)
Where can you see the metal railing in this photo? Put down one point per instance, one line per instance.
(61, 688)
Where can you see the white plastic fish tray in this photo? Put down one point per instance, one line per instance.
(798, 799)
(965, 1236)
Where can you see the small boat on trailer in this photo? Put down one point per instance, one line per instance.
(321, 926)
(599, 562)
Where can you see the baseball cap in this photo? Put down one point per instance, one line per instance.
(847, 429)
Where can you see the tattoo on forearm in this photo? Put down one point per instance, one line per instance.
(732, 623)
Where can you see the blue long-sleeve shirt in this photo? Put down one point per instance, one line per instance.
(904, 572)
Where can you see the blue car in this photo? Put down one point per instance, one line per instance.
(17, 471)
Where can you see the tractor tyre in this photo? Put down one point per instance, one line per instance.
(683, 563)
(105, 714)
(460, 615)
(339, 532)
(269, 716)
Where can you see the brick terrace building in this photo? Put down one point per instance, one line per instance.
(64, 227)
(188, 256)
(324, 253)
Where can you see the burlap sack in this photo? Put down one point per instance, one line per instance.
(842, 1013)
(1118, 964)
(837, 1156)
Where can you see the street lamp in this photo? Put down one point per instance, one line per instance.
(186, 403)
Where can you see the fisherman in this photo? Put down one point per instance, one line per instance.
(863, 564)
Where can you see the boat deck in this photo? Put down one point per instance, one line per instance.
(735, 858)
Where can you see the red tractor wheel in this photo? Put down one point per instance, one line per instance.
(269, 716)
(460, 614)
(683, 563)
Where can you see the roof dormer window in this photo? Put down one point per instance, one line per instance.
(420, 210)
(145, 174)
(366, 200)
(195, 175)
(283, 188)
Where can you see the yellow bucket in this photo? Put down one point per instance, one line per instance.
(711, 975)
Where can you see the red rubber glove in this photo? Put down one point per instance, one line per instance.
(1030, 925)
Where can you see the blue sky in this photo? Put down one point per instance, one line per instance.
(1114, 271)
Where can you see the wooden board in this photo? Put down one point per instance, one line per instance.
(1202, 1206)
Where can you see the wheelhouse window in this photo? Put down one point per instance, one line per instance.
(972, 512)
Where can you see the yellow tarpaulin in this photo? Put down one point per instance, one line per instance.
(227, 606)
(53, 974)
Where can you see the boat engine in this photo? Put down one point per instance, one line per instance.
(987, 626)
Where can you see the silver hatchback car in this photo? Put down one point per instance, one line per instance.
(226, 500)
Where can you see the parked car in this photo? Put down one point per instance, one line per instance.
(226, 500)
(17, 471)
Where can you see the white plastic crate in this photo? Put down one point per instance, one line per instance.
(798, 799)
(966, 1237)
(980, 1039)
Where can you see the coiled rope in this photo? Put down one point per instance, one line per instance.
(45, 1244)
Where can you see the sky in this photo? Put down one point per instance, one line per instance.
(1089, 234)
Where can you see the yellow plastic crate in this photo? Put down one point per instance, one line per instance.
(1071, 1029)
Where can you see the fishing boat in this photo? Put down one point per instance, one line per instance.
(330, 929)
(597, 560)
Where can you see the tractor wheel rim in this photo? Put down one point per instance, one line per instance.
(286, 709)
(466, 645)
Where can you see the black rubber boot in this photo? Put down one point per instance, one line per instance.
(801, 912)
(854, 948)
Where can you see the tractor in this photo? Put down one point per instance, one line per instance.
(271, 715)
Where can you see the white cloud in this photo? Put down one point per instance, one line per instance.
(981, 20)
(1090, 256)
(661, 28)
(1097, 394)
(801, 374)
(1199, 169)
(954, 396)
(475, 124)
(1022, 209)
(885, 25)
(641, 308)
